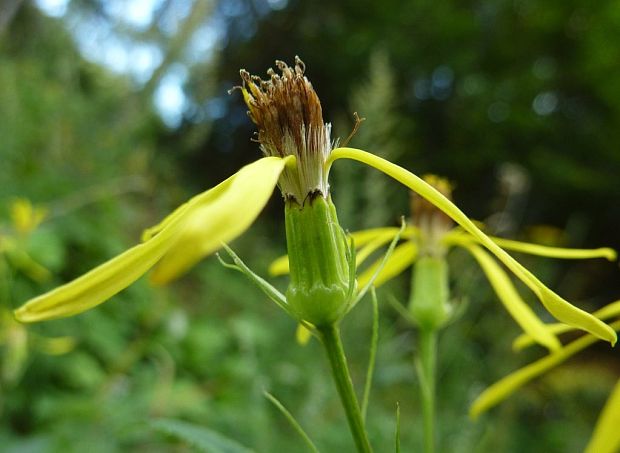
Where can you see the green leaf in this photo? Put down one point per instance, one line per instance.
(397, 433)
(294, 423)
(204, 439)
(374, 340)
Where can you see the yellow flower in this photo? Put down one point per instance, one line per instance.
(299, 157)
(606, 436)
(16, 342)
(433, 234)
(25, 216)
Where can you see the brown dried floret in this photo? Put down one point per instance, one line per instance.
(288, 114)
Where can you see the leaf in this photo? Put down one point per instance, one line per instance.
(200, 437)
(294, 423)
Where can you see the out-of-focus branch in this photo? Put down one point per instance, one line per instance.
(200, 10)
(158, 14)
(8, 9)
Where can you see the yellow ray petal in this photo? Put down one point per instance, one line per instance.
(221, 218)
(607, 312)
(557, 306)
(108, 279)
(606, 436)
(503, 388)
(99, 284)
(363, 237)
(279, 266)
(24, 262)
(373, 245)
(508, 295)
(402, 257)
(555, 252)
(458, 236)
(197, 200)
(303, 334)
(55, 345)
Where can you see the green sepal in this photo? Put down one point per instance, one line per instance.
(428, 304)
(351, 255)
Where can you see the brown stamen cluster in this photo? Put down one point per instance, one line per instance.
(431, 221)
(289, 117)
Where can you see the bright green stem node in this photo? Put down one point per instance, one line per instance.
(330, 336)
(319, 274)
(428, 304)
(427, 360)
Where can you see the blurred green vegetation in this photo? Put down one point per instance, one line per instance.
(515, 101)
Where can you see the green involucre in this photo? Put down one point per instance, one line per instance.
(319, 271)
(429, 293)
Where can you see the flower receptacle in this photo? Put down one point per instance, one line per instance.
(319, 271)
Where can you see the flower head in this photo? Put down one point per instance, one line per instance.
(433, 233)
(431, 222)
(288, 114)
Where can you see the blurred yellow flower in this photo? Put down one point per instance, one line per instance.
(434, 234)
(16, 342)
(25, 216)
(606, 436)
(512, 382)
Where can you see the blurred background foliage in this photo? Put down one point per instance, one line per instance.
(114, 112)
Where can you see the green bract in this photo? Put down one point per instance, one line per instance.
(428, 304)
(319, 290)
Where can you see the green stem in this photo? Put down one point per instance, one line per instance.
(330, 334)
(426, 372)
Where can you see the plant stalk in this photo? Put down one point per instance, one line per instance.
(330, 335)
(426, 372)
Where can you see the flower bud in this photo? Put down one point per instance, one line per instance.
(289, 118)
